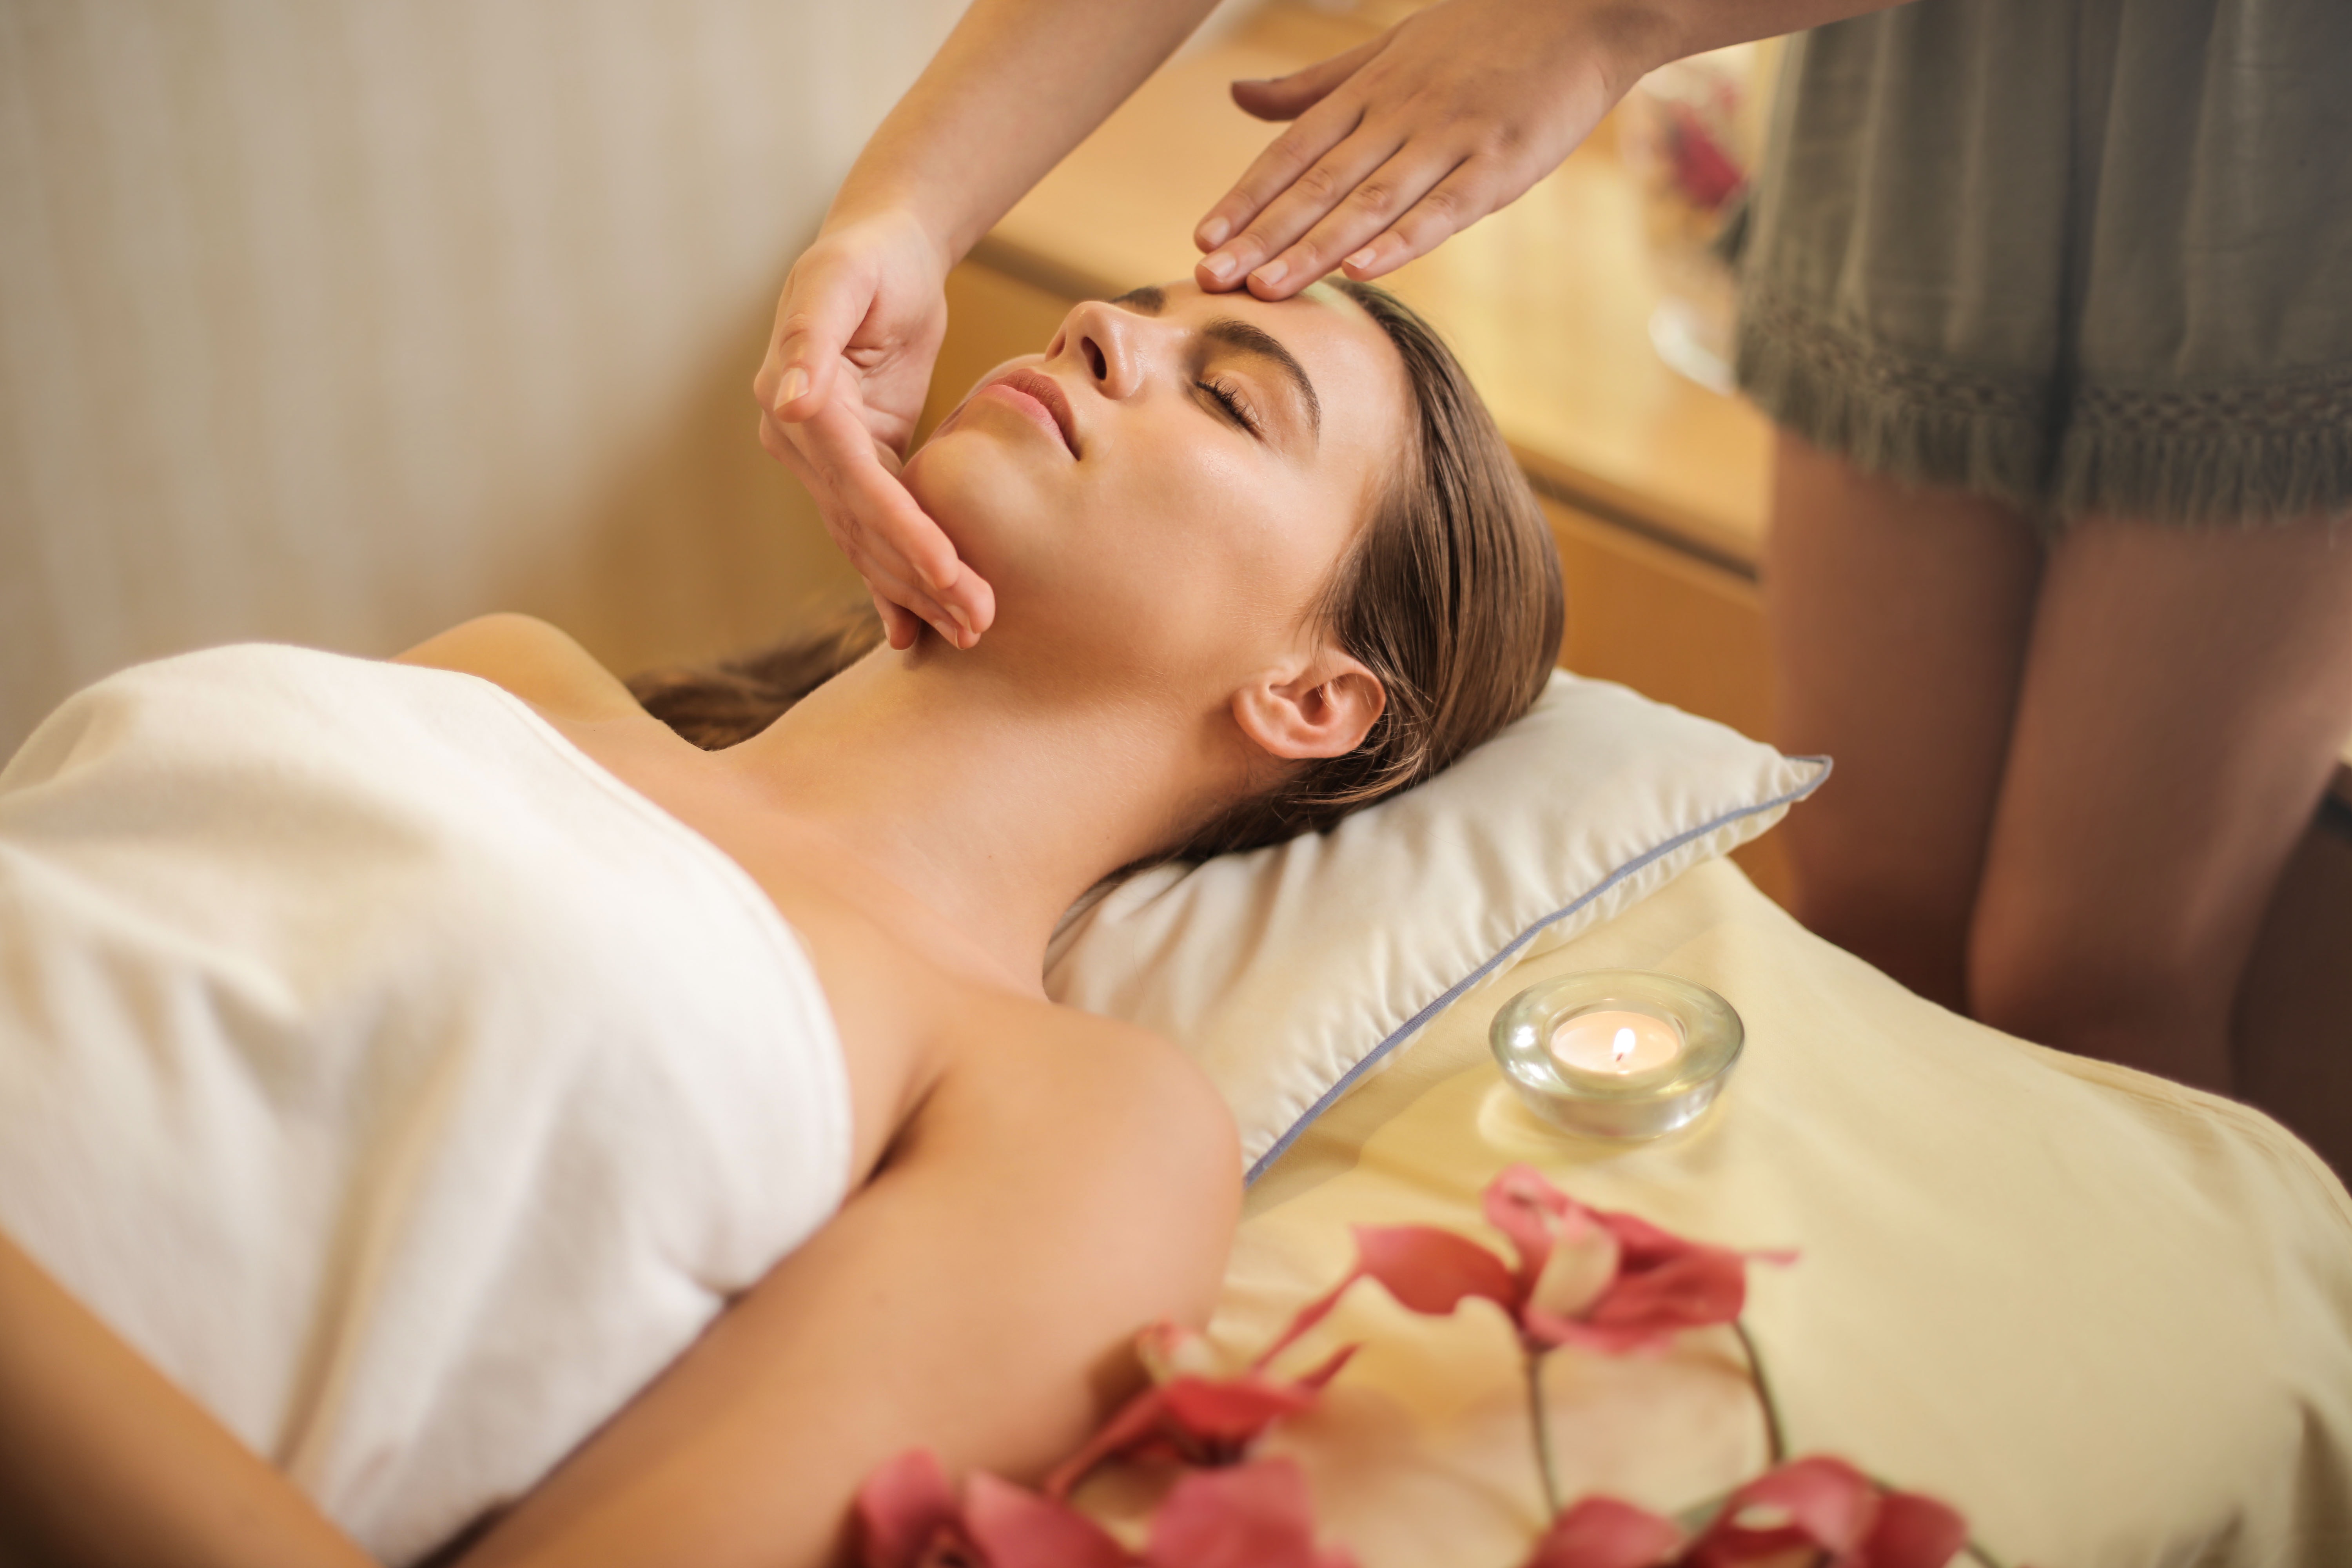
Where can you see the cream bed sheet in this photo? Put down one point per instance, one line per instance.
(2108, 1318)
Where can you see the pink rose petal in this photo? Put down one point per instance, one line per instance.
(1823, 1502)
(1914, 1531)
(1603, 1532)
(1251, 1516)
(902, 1508)
(1432, 1271)
(1015, 1528)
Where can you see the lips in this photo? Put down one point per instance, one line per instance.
(1033, 386)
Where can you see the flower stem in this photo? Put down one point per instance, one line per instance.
(1776, 1438)
(1699, 1515)
(1542, 1432)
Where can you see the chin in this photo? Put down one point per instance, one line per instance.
(1014, 533)
(981, 501)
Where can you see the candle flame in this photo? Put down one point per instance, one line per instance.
(1621, 1048)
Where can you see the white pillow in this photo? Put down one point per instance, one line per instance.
(1291, 972)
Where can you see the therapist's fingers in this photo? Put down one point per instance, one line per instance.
(870, 501)
(1462, 106)
(905, 609)
(901, 553)
(1286, 159)
(910, 604)
(1325, 183)
(899, 626)
(1377, 200)
(820, 473)
(1453, 205)
(1468, 192)
(822, 305)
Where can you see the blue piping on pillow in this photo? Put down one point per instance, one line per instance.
(1371, 1058)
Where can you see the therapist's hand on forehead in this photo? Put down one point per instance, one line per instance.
(1394, 146)
(1413, 136)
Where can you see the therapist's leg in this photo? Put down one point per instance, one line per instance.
(1898, 619)
(2184, 700)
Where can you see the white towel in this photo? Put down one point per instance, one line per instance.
(403, 1085)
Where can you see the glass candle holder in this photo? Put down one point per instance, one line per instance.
(1617, 1053)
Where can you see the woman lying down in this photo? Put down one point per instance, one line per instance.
(444, 1112)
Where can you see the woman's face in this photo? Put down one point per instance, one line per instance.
(1162, 494)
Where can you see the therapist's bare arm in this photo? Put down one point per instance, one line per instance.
(1402, 142)
(1017, 85)
(104, 1462)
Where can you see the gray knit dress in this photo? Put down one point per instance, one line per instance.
(2077, 255)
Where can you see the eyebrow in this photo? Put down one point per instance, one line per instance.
(1243, 338)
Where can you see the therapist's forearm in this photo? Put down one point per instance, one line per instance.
(1683, 27)
(1016, 86)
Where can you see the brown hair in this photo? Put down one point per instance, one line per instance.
(1450, 597)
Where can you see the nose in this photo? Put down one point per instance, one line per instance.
(1107, 343)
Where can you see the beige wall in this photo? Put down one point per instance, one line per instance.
(339, 321)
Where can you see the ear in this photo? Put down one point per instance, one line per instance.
(1323, 710)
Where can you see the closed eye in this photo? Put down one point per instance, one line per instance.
(1231, 402)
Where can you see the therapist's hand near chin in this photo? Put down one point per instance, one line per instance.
(1017, 85)
(856, 330)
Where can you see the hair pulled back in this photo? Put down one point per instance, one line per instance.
(1450, 595)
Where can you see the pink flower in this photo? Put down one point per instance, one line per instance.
(1609, 1283)
(1826, 1503)
(1249, 1516)
(1708, 174)
(1601, 1532)
(1192, 1416)
(1818, 1502)
(908, 1518)
(1655, 1283)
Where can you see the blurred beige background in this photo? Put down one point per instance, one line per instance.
(341, 320)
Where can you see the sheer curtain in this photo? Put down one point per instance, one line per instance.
(339, 321)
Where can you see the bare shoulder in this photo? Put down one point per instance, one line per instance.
(540, 663)
(1113, 1076)
(989, 1018)
(937, 1058)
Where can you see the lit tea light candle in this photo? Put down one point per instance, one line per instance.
(1617, 1053)
(1616, 1040)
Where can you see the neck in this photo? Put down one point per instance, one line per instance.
(969, 805)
